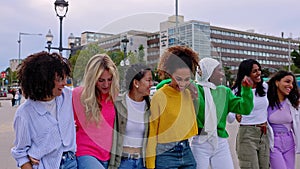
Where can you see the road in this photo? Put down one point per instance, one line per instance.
(7, 136)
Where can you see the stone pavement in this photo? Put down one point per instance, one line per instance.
(6, 133)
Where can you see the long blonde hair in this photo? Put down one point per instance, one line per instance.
(89, 97)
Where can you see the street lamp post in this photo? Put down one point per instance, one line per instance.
(61, 9)
(125, 61)
(124, 43)
(19, 41)
(49, 38)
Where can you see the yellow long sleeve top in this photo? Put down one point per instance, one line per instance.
(172, 119)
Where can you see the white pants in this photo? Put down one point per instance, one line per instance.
(206, 156)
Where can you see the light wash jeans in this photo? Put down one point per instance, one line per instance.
(206, 156)
(174, 156)
(90, 162)
(283, 156)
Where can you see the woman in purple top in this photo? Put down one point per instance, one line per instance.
(284, 120)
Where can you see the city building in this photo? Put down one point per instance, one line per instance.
(90, 37)
(229, 46)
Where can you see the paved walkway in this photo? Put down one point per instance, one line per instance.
(7, 136)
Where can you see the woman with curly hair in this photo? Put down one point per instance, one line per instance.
(95, 113)
(173, 117)
(284, 119)
(44, 123)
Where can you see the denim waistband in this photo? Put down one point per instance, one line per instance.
(172, 146)
(68, 155)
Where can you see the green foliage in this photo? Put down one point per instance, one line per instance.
(116, 56)
(265, 72)
(80, 60)
(10, 75)
(141, 53)
(296, 58)
(228, 76)
(132, 58)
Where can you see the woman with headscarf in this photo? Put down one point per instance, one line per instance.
(210, 147)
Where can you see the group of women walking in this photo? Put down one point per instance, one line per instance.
(182, 126)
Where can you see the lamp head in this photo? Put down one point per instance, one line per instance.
(61, 8)
(49, 37)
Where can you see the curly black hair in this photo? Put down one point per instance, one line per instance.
(272, 91)
(37, 74)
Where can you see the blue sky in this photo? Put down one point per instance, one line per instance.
(269, 17)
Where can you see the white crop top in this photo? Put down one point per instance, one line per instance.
(135, 126)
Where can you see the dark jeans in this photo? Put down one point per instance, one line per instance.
(175, 155)
(68, 161)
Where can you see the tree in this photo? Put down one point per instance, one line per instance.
(80, 60)
(265, 72)
(141, 53)
(296, 57)
(228, 76)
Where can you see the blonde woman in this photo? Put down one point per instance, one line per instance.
(94, 112)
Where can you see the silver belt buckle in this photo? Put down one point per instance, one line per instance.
(135, 155)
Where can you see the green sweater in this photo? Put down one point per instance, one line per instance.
(225, 102)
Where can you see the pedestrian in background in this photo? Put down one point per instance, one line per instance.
(13, 100)
(173, 117)
(94, 111)
(133, 107)
(44, 124)
(252, 144)
(19, 96)
(284, 119)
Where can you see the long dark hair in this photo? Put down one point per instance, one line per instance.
(137, 72)
(272, 91)
(245, 69)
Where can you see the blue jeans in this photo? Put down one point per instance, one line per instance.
(174, 155)
(129, 163)
(90, 162)
(68, 161)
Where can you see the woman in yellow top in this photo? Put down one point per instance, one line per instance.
(173, 117)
